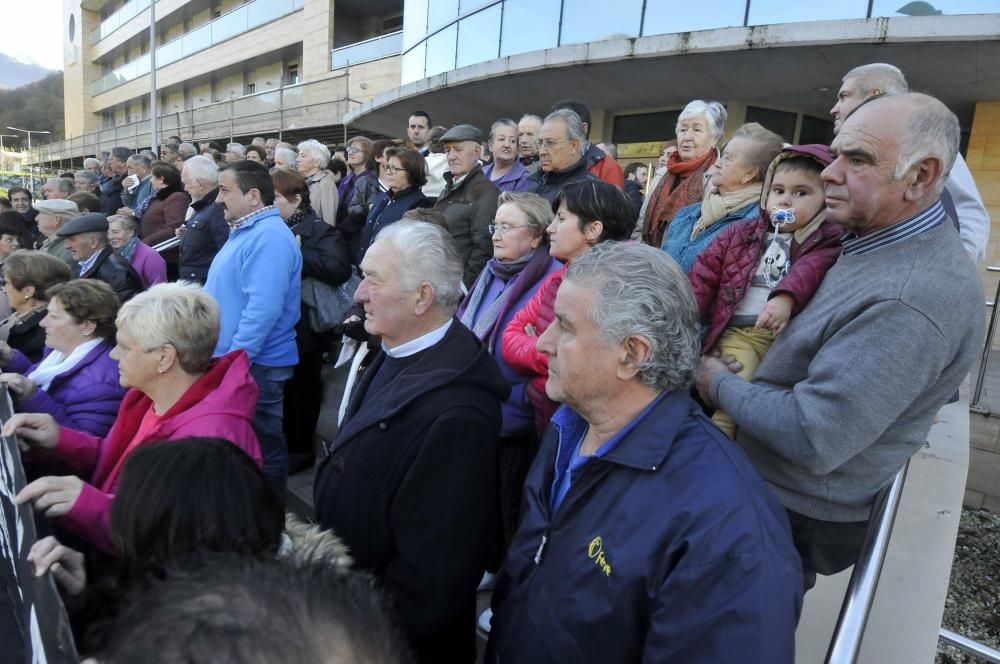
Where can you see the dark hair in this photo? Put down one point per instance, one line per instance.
(168, 173)
(632, 168)
(430, 215)
(20, 190)
(259, 150)
(173, 147)
(596, 200)
(367, 148)
(89, 299)
(86, 201)
(25, 268)
(337, 166)
(291, 184)
(120, 153)
(434, 144)
(257, 611)
(180, 497)
(413, 163)
(175, 139)
(422, 114)
(69, 175)
(5, 203)
(12, 223)
(380, 146)
(338, 148)
(800, 163)
(577, 107)
(252, 175)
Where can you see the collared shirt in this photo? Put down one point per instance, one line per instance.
(420, 343)
(89, 263)
(571, 429)
(233, 225)
(922, 221)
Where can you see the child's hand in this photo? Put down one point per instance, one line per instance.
(776, 313)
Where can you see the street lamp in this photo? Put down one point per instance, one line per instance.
(3, 136)
(29, 132)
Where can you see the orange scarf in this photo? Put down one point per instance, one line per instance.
(682, 185)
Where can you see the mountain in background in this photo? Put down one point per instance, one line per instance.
(17, 71)
(37, 105)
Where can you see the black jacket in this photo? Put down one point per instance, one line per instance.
(324, 257)
(388, 208)
(204, 234)
(117, 272)
(634, 193)
(354, 211)
(552, 182)
(410, 486)
(28, 336)
(111, 195)
(470, 208)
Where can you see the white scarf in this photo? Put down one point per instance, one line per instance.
(55, 363)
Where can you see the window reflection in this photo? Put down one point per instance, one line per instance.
(441, 51)
(440, 12)
(479, 37)
(412, 65)
(596, 20)
(667, 16)
(529, 25)
(414, 23)
(763, 12)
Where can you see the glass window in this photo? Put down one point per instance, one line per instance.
(479, 37)
(591, 20)
(414, 23)
(934, 7)
(465, 7)
(763, 12)
(667, 16)
(529, 25)
(197, 40)
(229, 25)
(780, 122)
(412, 67)
(169, 52)
(815, 130)
(441, 12)
(645, 127)
(441, 51)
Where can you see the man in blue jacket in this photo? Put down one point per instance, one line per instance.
(646, 534)
(256, 279)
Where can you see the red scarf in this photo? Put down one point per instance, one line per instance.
(682, 185)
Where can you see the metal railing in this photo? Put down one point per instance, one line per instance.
(976, 405)
(968, 645)
(125, 13)
(367, 50)
(847, 635)
(167, 245)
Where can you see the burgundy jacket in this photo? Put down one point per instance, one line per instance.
(722, 272)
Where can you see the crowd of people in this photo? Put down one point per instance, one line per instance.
(645, 408)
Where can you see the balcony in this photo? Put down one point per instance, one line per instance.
(232, 24)
(125, 13)
(367, 50)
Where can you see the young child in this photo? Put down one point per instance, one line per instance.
(760, 272)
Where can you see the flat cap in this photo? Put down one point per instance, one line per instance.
(92, 222)
(59, 207)
(462, 132)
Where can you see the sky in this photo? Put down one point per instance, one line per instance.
(42, 41)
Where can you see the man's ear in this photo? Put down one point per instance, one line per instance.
(635, 351)
(922, 178)
(424, 299)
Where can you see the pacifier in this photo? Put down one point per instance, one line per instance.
(783, 216)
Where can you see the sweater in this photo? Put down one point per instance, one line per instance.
(849, 390)
(677, 241)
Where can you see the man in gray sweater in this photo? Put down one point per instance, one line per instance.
(850, 389)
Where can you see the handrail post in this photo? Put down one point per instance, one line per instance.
(976, 405)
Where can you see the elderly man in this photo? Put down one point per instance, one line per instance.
(93, 165)
(169, 152)
(469, 200)
(235, 152)
(52, 215)
(528, 129)
(86, 238)
(138, 185)
(111, 188)
(561, 153)
(256, 278)
(410, 483)
(645, 531)
(850, 389)
(506, 171)
(418, 127)
(269, 146)
(205, 230)
(57, 188)
(87, 181)
(960, 196)
(600, 163)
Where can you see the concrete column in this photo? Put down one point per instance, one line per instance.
(317, 38)
(80, 72)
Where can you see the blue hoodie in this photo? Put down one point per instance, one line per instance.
(256, 278)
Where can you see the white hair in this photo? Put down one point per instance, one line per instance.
(574, 126)
(878, 76)
(425, 254)
(91, 161)
(237, 148)
(502, 122)
(714, 113)
(202, 169)
(316, 149)
(931, 131)
(185, 149)
(286, 155)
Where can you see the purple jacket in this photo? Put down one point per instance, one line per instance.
(149, 264)
(85, 398)
(516, 179)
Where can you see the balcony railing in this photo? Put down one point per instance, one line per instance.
(232, 24)
(367, 50)
(125, 13)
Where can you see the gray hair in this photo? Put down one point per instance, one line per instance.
(535, 208)
(121, 154)
(878, 76)
(180, 314)
(574, 126)
(187, 149)
(530, 116)
(763, 145)
(237, 148)
(91, 161)
(317, 149)
(286, 154)
(140, 159)
(931, 131)
(640, 291)
(202, 169)
(89, 176)
(715, 115)
(271, 141)
(425, 253)
(502, 122)
(63, 184)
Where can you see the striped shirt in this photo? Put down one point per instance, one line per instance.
(922, 221)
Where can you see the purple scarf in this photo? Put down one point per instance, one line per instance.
(346, 186)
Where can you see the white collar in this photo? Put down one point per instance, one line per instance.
(414, 346)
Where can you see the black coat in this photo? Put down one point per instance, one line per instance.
(111, 195)
(410, 486)
(117, 272)
(470, 208)
(324, 257)
(552, 182)
(354, 211)
(28, 336)
(204, 234)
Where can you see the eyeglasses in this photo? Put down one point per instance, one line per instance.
(392, 170)
(504, 229)
(551, 143)
(352, 150)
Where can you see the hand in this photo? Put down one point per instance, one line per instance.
(66, 564)
(21, 386)
(128, 212)
(33, 430)
(6, 353)
(709, 367)
(776, 313)
(179, 232)
(529, 329)
(53, 496)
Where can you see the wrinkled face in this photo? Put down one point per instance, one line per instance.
(235, 203)
(117, 166)
(582, 367)
(48, 224)
(21, 202)
(62, 332)
(504, 145)
(81, 184)
(95, 168)
(557, 150)
(390, 312)
(281, 162)
(799, 190)
(527, 136)
(286, 207)
(51, 191)
(355, 157)
(269, 148)
(417, 130)
(307, 163)
(462, 156)
(137, 367)
(849, 97)
(513, 235)
(8, 245)
(694, 139)
(81, 246)
(166, 154)
(118, 236)
(396, 176)
(733, 172)
(232, 156)
(196, 188)
(566, 240)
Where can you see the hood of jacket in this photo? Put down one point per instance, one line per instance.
(305, 543)
(816, 151)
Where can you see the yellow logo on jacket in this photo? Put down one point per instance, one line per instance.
(596, 553)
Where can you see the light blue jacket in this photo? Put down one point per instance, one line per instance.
(678, 243)
(256, 278)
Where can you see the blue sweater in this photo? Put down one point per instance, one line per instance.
(256, 278)
(678, 243)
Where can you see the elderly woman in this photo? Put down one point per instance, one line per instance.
(325, 258)
(166, 336)
(167, 207)
(357, 191)
(699, 128)
(506, 171)
(311, 163)
(734, 194)
(87, 181)
(285, 158)
(52, 215)
(28, 276)
(76, 381)
(406, 173)
(149, 265)
(587, 213)
(521, 262)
